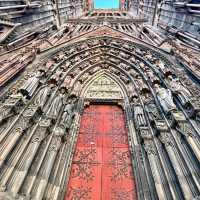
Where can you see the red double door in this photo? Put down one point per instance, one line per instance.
(101, 168)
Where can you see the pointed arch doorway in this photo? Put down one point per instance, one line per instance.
(101, 167)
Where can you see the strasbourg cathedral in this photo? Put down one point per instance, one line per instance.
(99, 104)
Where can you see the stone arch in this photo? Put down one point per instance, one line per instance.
(149, 130)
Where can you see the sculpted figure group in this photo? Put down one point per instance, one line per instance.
(50, 99)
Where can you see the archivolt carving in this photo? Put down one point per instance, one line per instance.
(41, 119)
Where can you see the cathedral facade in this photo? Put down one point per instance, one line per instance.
(99, 104)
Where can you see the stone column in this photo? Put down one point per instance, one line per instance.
(47, 167)
(62, 174)
(36, 167)
(145, 184)
(187, 155)
(186, 129)
(28, 156)
(169, 172)
(14, 134)
(161, 183)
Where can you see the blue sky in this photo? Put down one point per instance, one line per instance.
(106, 4)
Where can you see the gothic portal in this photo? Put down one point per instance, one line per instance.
(98, 104)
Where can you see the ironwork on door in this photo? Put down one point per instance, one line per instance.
(101, 168)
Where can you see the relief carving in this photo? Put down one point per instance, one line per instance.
(104, 88)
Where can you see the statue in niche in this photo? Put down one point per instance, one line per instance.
(49, 64)
(165, 98)
(128, 47)
(77, 88)
(152, 111)
(148, 55)
(114, 60)
(114, 51)
(68, 114)
(83, 46)
(75, 72)
(138, 112)
(44, 93)
(178, 89)
(124, 78)
(95, 51)
(94, 70)
(71, 51)
(150, 106)
(114, 71)
(32, 83)
(57, 76)
(53, 110)
(124, 55)
(67, 65)
(140, 85)
(92, 43)
(77, 59)
(72, 60)
(84, 65)
(139, 51)
(84, 77)
(132, 60)
(159, 64)
(124, 66)
(60, 56)
(67, 82)
(95, 60)
(132, 72)
(142, 65)
(131, 91)
(154, 79)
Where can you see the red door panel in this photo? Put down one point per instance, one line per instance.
(101, 168)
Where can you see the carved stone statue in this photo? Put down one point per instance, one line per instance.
(84, 77)
(94, 70)
(132, 59)
(31, 84)
(124, 78)
(43, 94)
(68, 114)
(138, 111)
(165, 98)
(54, 108)
(139, 115)
(148, 55)
(49, 64)
(152, 111)
(178, 89)
(160, 64)
(67, 82)
(11, 106)
(123, 55)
